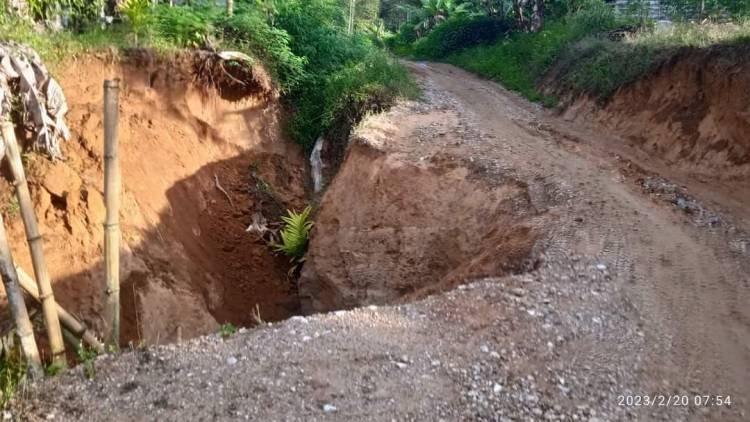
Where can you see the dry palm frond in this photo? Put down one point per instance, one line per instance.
(25, 80)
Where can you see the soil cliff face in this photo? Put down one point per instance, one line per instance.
(187, 262)
(693, 111)
(393, 226)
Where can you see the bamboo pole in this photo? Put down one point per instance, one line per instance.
(68, 321)
(112, 202)
(18, 306)
(49, 308)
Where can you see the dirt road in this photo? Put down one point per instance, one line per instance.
(640, 288)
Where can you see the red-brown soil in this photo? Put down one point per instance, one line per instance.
(187, 261)
(693, 111)
(393, 227)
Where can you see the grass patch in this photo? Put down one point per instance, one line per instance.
(599, 66)
(520, 59)
(12, 373)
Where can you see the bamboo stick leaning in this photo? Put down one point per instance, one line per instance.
(17, 306)
(68, 321)
(49, 307)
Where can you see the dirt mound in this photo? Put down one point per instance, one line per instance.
(390, 230)
(693, 111)
(187, 262)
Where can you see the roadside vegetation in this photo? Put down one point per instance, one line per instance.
(327, 74)
(585, 46)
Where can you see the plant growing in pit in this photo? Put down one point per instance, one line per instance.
(294, 236)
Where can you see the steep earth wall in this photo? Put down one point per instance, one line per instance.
(693, 111)
(398, 223)
(187, 264)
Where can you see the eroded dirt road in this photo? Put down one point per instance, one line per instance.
(639, 289)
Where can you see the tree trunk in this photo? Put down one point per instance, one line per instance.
(49, 307)
(519, 7)
(17, 306)
(537, 19)
(230, 8)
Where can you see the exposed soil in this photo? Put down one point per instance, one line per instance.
(611, 275)
(692, 112)
(421, 226)
(187, 262)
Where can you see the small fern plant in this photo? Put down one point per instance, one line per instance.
(295, 235)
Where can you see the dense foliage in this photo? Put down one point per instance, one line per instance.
(522, 58)
(458, 33)
(325, 74)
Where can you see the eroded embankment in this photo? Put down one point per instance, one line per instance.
(693, 111)
(198, 168)
(391, 228)
(187, 262)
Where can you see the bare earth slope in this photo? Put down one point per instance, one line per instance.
(640, 287)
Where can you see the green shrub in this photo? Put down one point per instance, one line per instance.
(250, 32)
(521, 59)
(599, 66)
(342, 73)
(320, 70)
(87, 356)
(345, 94)
(184, 26)
(459, 33)
(138, 14)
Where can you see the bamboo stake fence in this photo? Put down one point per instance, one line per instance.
(17, 306)
(112, 202)
(49, 307)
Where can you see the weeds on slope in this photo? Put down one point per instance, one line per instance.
(598, 66)
(519, 60)
(321, 71)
